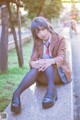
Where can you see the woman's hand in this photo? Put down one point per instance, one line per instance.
(35, 64)
(42, 64)
(45, 63)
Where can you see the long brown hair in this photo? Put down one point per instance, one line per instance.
(40, 22)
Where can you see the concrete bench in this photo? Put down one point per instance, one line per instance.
(31, 101)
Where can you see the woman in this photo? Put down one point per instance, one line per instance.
(48, 64)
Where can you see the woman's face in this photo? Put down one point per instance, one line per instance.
(43, 34)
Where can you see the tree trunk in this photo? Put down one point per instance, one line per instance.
(15, 37)
(19, 32)
(4, 40)
(41, 7)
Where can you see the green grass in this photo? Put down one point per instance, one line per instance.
(11, 79)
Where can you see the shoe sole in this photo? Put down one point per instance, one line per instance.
(49, 105)
(16, 110)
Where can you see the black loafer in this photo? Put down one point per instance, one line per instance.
(16, 105)
(49, 101)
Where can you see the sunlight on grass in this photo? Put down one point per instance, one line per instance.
(11, 79)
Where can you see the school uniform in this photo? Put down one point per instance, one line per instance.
(57, 50)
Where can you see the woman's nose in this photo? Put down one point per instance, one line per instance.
(41, 32)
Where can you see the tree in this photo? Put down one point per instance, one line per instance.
(47, 8)
(18, 46)
(4, 40)
(4, 35)
(53, 9)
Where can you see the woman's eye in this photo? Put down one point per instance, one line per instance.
(38, 31)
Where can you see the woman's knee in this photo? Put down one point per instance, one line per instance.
(50, 69)
(34, 70)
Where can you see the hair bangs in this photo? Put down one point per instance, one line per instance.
(37, 24)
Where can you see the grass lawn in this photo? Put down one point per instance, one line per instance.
(11, 79)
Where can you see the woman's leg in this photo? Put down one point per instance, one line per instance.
(51, 94)
(27, 81)
(49, 74)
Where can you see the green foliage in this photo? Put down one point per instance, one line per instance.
(53, 9)
(49, 8)
(32, 7)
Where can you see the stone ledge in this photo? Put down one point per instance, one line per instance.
(31, 101)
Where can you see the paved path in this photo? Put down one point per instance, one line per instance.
(24, 34)
(75, 41)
